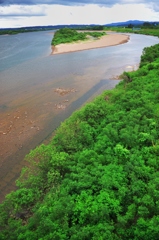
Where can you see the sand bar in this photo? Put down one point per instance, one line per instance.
(105, 41)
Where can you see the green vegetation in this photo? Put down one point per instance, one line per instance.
(24, 30)
(47, 28)
(98, 178)
(67, 35)
(145, 29)
(152, 32)
(90, 27)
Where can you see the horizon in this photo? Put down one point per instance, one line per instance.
(36, 26)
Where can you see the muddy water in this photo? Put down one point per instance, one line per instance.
(31, 108)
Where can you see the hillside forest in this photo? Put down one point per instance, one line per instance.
(98, 178)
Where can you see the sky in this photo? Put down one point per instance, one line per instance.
(21, 13)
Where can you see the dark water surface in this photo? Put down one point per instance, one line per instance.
(29, 76)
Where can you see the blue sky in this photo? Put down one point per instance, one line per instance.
(18, 13)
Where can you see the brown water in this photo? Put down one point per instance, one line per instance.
(31, 108)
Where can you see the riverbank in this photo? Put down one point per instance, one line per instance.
(105, 41)
(100, 170)
(33, 103)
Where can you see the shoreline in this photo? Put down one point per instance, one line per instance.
(105, 41)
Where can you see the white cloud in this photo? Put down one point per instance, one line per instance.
(133, 12)
(17, 10)
(17, 15)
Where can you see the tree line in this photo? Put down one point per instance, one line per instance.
(137, 30)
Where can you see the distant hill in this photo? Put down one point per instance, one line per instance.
(133, 22)
(77, 26)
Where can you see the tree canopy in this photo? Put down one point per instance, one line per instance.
(68, 35)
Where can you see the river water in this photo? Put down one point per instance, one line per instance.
(30, 106)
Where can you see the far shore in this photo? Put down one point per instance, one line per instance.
(105, 41)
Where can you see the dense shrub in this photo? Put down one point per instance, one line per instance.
(67, 35)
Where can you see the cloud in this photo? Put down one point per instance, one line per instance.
(153, 4)
(42, 15)
(58, 2)
(74, 2)
(22, 11)
(55, 12)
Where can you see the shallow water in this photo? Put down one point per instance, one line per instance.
(29, 75)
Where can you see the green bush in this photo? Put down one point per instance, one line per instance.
(67, 35)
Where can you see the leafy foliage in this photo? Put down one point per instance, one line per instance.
(67, 35)
(98, 178)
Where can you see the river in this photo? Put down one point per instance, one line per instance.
(31, 80)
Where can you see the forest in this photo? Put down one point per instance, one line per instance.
(68, 35)
(98, 178)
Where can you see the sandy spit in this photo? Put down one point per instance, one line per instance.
(105, 41)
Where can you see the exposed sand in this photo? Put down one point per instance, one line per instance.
(105, 41)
